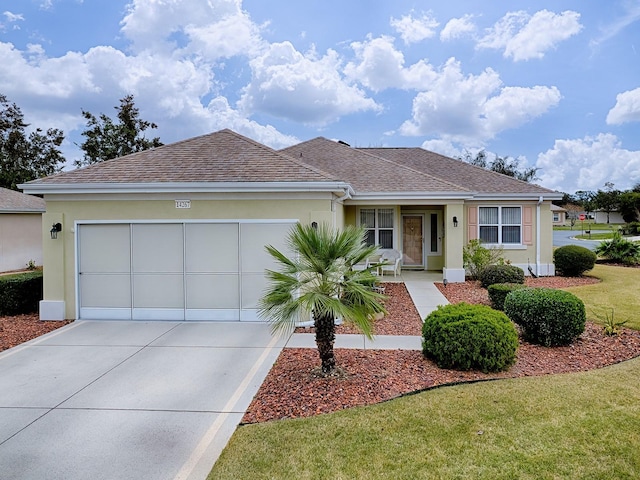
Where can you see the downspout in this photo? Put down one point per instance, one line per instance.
(341, 200)
(538, 223)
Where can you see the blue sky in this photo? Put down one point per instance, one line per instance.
(554, 83)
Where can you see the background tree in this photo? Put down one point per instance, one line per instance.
(587, 200)
(630, 206)
(504, 165)
(26, 157)
(106, 139)
(607, 199)
(319, 279)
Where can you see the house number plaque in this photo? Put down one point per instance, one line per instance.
(183, 203)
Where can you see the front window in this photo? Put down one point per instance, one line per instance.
(500, 225)
(379, 225)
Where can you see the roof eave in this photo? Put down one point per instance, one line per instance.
(183, 187)
(529, 196)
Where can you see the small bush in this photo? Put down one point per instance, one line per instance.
(476, 257)
(619, 249)
(499, 291)
(573, 260)
(20, 293)
(548, 317)
(469, 337)
(501, 274)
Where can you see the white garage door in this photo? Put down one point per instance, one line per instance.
(175, 271)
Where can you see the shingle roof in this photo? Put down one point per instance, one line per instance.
(16, 202)
(474, 178)
(365, 172)
(223, 156)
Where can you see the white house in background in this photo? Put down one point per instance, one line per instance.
(20, 230)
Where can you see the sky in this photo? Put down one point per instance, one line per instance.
(553, 83)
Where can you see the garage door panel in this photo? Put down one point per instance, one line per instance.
(158, 291)
(254, 238)
(105, 249)
(106, 291)
(212, 291)
(211, 248)
(158, 248)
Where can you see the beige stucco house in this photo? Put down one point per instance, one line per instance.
(178, 232)
(20, 230)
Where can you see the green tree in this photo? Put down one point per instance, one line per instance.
(319, 279)
(586, 199)
(26, 157)
(106, 139)
(607, 199)
(504, 165)
(630, 206)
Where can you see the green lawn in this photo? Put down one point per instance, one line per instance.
(584, 426)
(578, 227)
(578, 426)
(619, 289)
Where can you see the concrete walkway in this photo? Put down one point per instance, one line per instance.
(426, 297)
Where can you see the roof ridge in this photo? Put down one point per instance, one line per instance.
(482, 169)
(440, 179)
(280, 153)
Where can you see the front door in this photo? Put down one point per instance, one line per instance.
(413, 240)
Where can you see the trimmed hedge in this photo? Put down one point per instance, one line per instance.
(499, 291)
(20, 293)
(501, 274)
(548, 317)
(573, 260)
(469, 337)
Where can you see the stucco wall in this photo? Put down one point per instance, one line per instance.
(20, 240)
(527, 255)
(60, 255)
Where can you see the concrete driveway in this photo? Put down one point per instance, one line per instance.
(128, 400)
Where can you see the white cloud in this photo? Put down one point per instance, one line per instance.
(380, 66)
(214, 29)
(524, 37)
(414, 30)
(631, 15)
(626, 109)
(13, 17)
(588, 163)
(457, 28)
(443, 147)
(474, 108)
(302, 88)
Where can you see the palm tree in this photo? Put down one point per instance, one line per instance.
(320, 280)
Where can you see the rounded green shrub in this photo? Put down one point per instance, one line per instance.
(501, 274)
(548, 317)
(499, 291)
(573, 260)
(469, 337)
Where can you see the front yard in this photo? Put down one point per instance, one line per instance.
(577, 425)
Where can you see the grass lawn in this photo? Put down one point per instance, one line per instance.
(578, 227)
(565, 426)
(619, 290)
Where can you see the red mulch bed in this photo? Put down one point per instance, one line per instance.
(293, 390)
(22, 328)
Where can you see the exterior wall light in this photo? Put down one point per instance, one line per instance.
(455, 221)
(55, 228)
(314, 225)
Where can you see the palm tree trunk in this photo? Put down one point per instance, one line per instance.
(325, 337)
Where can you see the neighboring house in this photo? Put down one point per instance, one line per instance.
(600, 216)
(558, 215)
(20, 230)
(179, 232)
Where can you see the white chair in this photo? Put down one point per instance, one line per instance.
(390, 261)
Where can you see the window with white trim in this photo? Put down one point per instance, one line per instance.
(379, 225)
(500, 225)
(556, 217)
